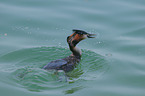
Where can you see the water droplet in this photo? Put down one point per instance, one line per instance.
(29, 32)
(5, 34)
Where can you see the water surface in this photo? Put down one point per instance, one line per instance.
(34, 32)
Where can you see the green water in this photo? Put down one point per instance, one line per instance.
(34, 32)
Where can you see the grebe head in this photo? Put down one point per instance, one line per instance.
(77, 36)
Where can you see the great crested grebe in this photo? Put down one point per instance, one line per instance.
(68, 63)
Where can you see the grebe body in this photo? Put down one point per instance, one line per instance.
(68, 63)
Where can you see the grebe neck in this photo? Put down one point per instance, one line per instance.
(76, 52)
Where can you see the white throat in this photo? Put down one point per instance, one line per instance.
(78, 50)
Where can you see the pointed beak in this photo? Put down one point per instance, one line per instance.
(91, 35)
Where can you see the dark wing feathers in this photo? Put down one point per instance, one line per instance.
(55, 64)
